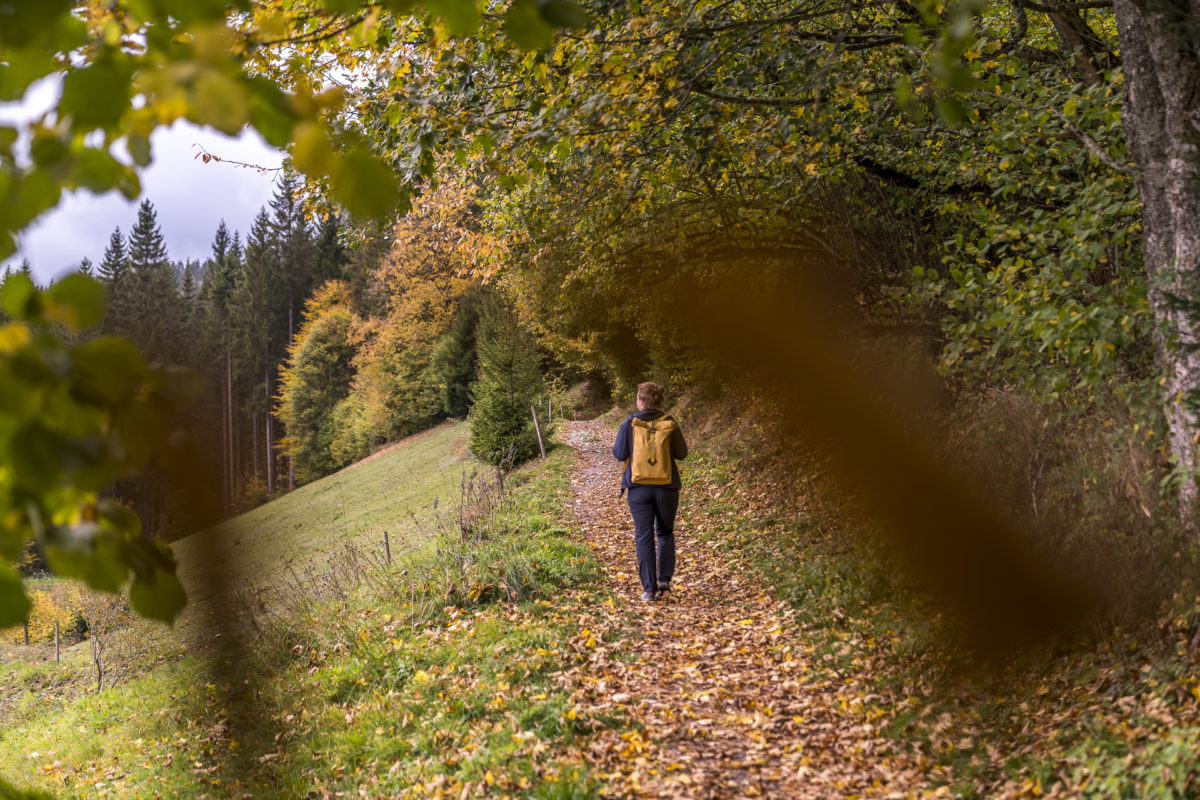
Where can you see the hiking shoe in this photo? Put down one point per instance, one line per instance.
(663, 589)
(647, 597)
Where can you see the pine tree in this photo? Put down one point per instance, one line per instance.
(221, 243)
(113, 272)
(86, 268)
(26, 269)
(220, 278)
(455, 357)
(147, 248)
(187, 286)
(115, 264)
(213, 311)
(152, 298)
(294, 242)
(258, 335)
(509, 382)
(329, 254)
(235, 248)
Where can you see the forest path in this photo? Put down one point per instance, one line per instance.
(715, 676)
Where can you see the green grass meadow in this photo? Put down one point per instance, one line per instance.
(392, 490)
(431, 676)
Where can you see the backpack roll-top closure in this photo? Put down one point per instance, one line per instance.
(650, 460)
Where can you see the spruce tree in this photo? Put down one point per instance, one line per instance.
(221, 242)
(115, 264)
(86, 268)
(329, 254)
(152, 301)
(187, 287)
(294, 242)
(455, 357)
(147, 248)
(510, 381)
(256, 314)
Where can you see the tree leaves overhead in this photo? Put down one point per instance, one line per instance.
(131, 67)
(97, 95)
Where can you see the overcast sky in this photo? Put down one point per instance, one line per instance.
(191, 197)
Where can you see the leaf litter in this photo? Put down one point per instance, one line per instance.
(721, 692)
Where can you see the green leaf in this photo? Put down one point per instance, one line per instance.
(36, 455)
(175, 387)
(139, 149)
(951, 110)
(97, 95)
(88, 553)
(461, 16)
(19, 296)
(10, 792)
(563, 13)
(76, 300)
(14, 605)
(195, 10)
(161, 596)
(107, 371)
(24, 66)
(21, 22)
(399, 6)
(220, 101)
(270, 112)
(524, 24)
(364, 184)
(97, 171)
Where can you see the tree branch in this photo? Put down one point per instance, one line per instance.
(206, 157)
(1074, 130)
(327, 31)
(1050, 8)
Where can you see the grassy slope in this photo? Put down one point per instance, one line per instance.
(428, 677)
(391, 490)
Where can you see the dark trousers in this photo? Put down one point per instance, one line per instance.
(653, 509)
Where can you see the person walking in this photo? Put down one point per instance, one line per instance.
(650, 443)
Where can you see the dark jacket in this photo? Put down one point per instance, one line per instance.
(624, 445)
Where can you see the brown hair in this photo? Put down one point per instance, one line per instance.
(651, 394)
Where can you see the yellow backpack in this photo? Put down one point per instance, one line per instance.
(650, 462)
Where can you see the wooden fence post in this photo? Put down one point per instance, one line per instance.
(27, 633)
(55, 641)
(538, 428)
(387, 547)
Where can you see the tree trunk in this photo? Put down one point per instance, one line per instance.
(1160, 53)
(229, 412)
(239, 456)
(1081, 40)
(270, 453)
(254, 442)
(224, 454)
